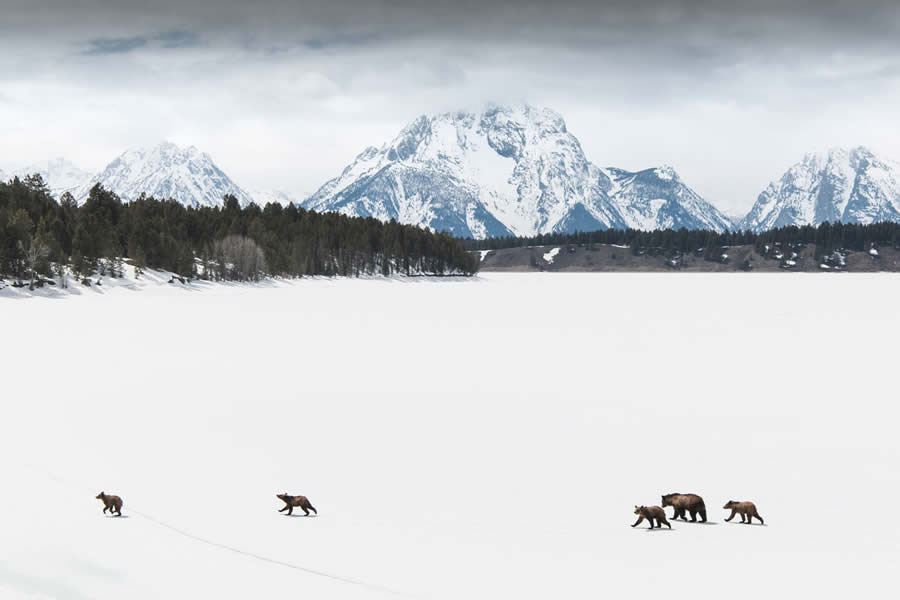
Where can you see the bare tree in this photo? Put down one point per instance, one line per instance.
(239, 258)
(62, 273)
(36, 253)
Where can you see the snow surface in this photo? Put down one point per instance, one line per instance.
(441, 470)
(549, 256)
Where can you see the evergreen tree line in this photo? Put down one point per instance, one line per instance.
(827, 237)
(42, 237)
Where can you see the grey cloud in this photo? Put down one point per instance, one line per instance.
(562, 22)
(340, 41)
(645, 81)
(167, 40)
(99, 47)
(178, 39)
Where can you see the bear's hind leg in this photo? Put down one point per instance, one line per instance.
(693, 516)
(761, 522)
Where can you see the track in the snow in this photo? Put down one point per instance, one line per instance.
(273, 561)
(181, 532)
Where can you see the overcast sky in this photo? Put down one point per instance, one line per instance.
(283, 94)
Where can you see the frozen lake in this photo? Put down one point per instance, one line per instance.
(482, 438)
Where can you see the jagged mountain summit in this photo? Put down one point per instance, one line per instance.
(851, 186)
(167, 171)
(59, 174)
(506, 171)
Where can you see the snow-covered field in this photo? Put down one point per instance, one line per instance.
(482, 438)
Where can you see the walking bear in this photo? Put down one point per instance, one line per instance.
(111, 503)
(745, 509)
(682, 503)
(291, 501)
(650, 513)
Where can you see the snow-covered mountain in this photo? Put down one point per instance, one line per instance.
(167, 171)
(263, 197)
(508, 170)
(659, 199)
(851, 186)
(59, 174)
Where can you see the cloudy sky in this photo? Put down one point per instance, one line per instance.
(283, 94)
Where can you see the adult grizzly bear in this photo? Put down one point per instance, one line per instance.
(682, 503)
(650, 513)
(291, 501)
(745, 509)
(113, 504)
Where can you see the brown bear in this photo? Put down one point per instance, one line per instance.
(682, 503)
(745, 509)
(650, 513)
(111, 503)
(291, 501)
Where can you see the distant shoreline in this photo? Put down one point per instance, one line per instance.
(599, 258)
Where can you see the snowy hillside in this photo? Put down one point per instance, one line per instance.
(59, 174)
(508, 170)
(851, 186)
(659, 199)
(167, 171)
(442, 473)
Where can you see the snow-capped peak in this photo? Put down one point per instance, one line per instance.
(263, 197)
(59, 174)
(666, 173)
(167, 171)
(506, 170)
(839, 184)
